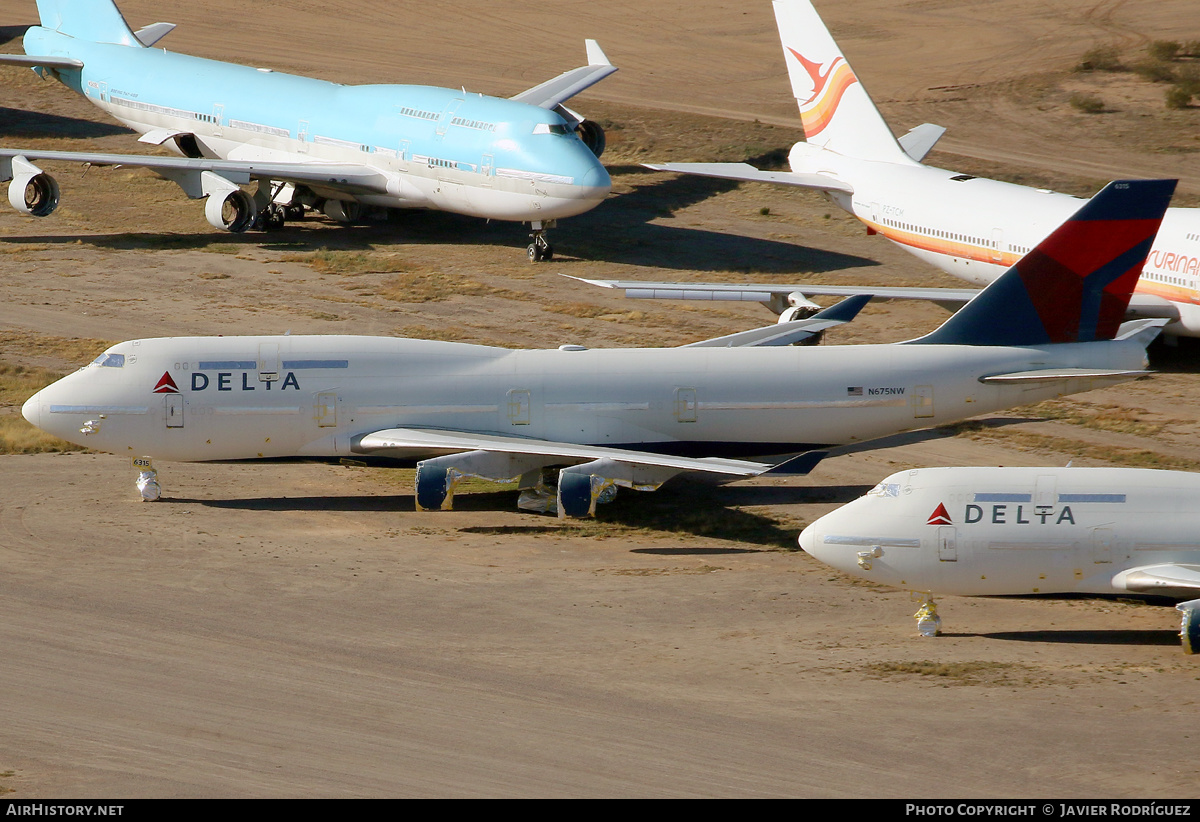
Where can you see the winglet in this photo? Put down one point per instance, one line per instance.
(596, 55)
(1075, 286)
(566, 85)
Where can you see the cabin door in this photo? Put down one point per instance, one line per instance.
(174, 410)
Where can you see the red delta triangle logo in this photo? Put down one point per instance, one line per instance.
(940, 516)
(166, 385)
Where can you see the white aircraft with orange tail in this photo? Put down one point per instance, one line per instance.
(971, 227)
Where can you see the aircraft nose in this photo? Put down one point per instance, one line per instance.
(32, 410)
(597, 177)
(808, 538)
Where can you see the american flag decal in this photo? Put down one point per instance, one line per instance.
(854, 391)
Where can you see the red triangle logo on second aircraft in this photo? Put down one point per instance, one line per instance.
(940, 516)
(166, 385)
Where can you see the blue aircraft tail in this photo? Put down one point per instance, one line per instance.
(99, 21)
(1076, 285)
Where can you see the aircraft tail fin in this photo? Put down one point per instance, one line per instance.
(99, 21)
(835, 109)
(1076, 285)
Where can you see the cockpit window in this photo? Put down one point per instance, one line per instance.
(110, 360)
(551, 128)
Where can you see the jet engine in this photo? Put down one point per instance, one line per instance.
(232, 210)
(592, 135)
(33, 191)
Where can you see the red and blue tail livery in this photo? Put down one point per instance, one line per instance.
(1075, 286)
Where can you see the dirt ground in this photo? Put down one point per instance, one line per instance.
(300, 630)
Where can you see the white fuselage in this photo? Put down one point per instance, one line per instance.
(993, 531)
(226, 398)
(976, 228)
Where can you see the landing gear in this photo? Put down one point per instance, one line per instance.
(148, 485)
(928, 621)
(271, 218)
(540, 249)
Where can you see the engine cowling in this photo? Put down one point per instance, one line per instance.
(592, 135)
(34, 193)
(343, 211)
(232, 211)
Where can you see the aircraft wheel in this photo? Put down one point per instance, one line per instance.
(548, 253)
(276, 217)
(535, 252)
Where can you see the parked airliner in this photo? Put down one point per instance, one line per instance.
(629, 418)
(971, 227)
(992, 531)
(309, 143)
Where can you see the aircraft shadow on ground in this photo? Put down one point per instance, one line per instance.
(751, 495)
(10, 33)
(689, 508)
(1102, 637)
(20, 124)
(625, 230)
(620, 230)
(364, 502)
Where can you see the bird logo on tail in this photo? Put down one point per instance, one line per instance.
(828, 88)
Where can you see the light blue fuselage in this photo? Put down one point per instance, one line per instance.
(443, 148)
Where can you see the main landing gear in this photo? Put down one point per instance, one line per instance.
(540, 249)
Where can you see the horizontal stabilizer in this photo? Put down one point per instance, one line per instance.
(747, 173)
(790, 333)
(777, 293)
(33, 61)
(565, 86)
(1056, 374)
(1144, 331)
(419, 442)
(152, 33)
(920, 141)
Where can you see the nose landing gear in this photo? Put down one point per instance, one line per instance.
(540, 249)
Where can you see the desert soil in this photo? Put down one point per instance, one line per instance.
(300, 630)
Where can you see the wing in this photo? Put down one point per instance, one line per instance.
(778, 296)
(748, 173)
(417, 442)
(345, 177)
(565, 86)
(590, 470)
